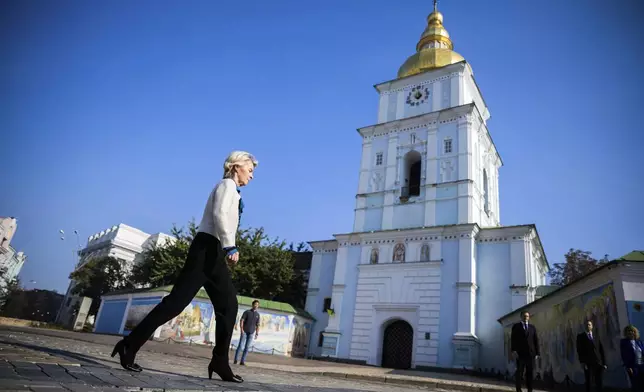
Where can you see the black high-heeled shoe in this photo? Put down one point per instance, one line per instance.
(220, 366)
(126, 357)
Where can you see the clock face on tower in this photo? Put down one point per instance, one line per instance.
(417, 95)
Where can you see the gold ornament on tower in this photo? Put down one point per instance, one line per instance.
(434, 49)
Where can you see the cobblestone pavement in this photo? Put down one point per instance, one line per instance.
(42, 362)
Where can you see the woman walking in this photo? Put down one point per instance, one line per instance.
(205, 266)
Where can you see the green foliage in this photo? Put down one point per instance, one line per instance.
(99, 276)
(265, 267)
(578, 264)
(264, 270)
(8, 288)
(162, 263)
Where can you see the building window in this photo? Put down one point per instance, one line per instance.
(412, 138)
(320, 340)
(412, 174)
(327, 304)
(486, 193)
(448, 146)
(379, 159)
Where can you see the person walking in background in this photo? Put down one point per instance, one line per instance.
(206, 266)
(249, 327)
(631, 348)
(591, 356)
(524, 345)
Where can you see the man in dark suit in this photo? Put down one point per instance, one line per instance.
(591, 355)
(524, 344)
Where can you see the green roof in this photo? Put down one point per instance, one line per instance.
(546, 289)
(264, 303)
(636, 255)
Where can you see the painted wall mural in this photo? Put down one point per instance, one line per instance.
(191, 325)
(283, 334)
(635, 310)
(139, 308)
(558, 328)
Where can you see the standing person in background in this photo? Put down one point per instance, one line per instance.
(249, 326)
(631, 349)
(591, 356)
(525, 349)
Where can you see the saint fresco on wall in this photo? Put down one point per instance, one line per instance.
(558, 328)
(399, 253)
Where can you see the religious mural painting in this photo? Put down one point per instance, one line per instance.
(424, 252)
(635, 311)
(139, 308)
(399, 253)
(374, 256)
(191, 325)
(558, 328)
(283, 334)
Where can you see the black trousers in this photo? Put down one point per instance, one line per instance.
(524, 365)
(594, 375)
(205, 267)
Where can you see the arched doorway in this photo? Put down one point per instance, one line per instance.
(397, 345)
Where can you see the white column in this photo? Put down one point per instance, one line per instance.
(437, 95)
(365, 167)
(337, 296)
(400, 105)
(383, 108)
(391, 182)
(466, 344)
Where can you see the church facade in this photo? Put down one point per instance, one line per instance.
(428, 268)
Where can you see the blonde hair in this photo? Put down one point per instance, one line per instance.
(632, 328)
(237, 158)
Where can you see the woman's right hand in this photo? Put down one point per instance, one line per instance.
(630, 371)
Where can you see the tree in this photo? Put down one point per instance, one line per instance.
(99, 276)
(9, 287)
(265, 269)
(578, 264)
(161, 264)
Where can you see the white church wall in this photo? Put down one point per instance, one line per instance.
(389, 291)
(494, 300)
(354, 256)
(319, 288)
(449, 299)
(409, 215)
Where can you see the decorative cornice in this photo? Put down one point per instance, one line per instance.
(406, 266)
(443, 116)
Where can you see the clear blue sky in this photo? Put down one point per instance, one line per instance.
(123, 111)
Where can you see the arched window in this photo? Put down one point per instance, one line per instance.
(412, 174)
(486, 192)
(424, 252)
(399, 253)
(374, 256)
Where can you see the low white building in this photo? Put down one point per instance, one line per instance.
(428, 268)
(612, 297)
(11, 261)
(122, 242)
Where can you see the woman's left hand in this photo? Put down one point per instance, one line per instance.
(233, 258)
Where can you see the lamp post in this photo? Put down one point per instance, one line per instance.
(76, 253)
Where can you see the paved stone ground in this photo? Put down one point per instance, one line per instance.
(38, 360)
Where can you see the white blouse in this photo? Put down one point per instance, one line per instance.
(221, 215)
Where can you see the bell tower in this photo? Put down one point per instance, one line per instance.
(429, 160)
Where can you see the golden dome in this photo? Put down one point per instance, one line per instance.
(434, 49)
